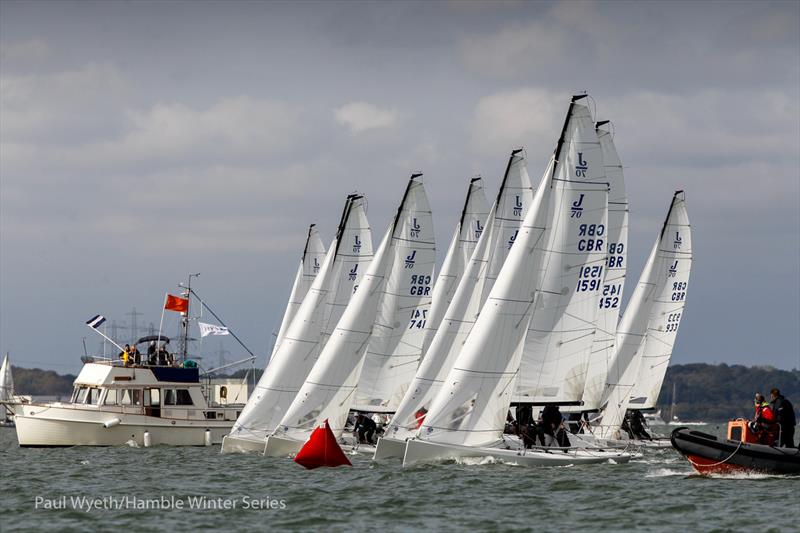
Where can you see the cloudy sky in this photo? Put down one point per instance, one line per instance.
(143, 141)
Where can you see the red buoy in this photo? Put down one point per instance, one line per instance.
(321, 450)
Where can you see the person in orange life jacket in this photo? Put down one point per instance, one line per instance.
(784, 416)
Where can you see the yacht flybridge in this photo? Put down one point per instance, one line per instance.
(113, 404)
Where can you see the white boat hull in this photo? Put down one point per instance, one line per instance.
(241, 445)
(389, 448)
(422, 451)
(281, 447)
(47, 429)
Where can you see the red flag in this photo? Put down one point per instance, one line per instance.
(176, 303)
(321, 450)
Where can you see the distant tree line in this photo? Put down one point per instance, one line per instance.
(711, 393)
(716, 393)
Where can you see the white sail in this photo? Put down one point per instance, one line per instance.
(308, 333)
(310, 263)
(647, 330)
(395, 347)
(471, 408)
(603, 344)
(6, 381)
(495, 241)
(465, 238)
(559, 339)
(330, 388)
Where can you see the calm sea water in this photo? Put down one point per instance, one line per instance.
(655, 493)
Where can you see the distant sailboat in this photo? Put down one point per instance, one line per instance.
(330, 388)
(495, 239)
(649, 326)
(7, 394)
(309, 331)
(310, 263)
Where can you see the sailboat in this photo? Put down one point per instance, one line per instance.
(395, 347)
(329, 391)
(310, 264)
(604, 341)
(309, 331)
(496, 237)
(649, 326)
(7, 395)
(562, 232)
(562, 329)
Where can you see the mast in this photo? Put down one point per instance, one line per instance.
(184, 348)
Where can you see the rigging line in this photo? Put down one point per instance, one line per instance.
(204, 304)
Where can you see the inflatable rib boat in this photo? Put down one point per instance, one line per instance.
(709, 454)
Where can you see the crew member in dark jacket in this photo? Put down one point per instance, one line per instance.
(365, 427)
(784, 416)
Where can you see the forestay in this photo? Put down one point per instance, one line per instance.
(603, 344)
(310, 263)
(561, 331)
(340, 274)
(495, 241)
(649, 326)
(330, 388)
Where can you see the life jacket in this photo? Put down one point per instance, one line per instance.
(764, 412)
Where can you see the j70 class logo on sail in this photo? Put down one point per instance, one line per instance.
(356, 245)
(678, 241)
(517, 206)
(673, 270)
(512, 238)
(316, 266)
(581, 167)
(415, 228)
(478, 229)
(577, 207)
(410, 259)
(353, 273)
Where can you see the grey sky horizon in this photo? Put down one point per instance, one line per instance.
(142, 141)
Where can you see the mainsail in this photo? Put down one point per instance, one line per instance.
(603, 344)
(562, 328)
(310, 263)
(465, 238)
(330, 388)
(308, 333)
(495, 241)
(471, 408)
(647, 330)
(6, 381)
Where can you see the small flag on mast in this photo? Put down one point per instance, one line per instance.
(95, 321)
(176, 303)
(211, 329)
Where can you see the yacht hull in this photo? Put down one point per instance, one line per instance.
(54, 426)
(421, 451)
(389, 449)
(281, 447)
(240, 445)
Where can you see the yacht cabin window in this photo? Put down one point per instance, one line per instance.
(80, 397)
(111, 397)
(93, 396)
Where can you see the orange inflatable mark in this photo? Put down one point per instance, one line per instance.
(321, 450)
